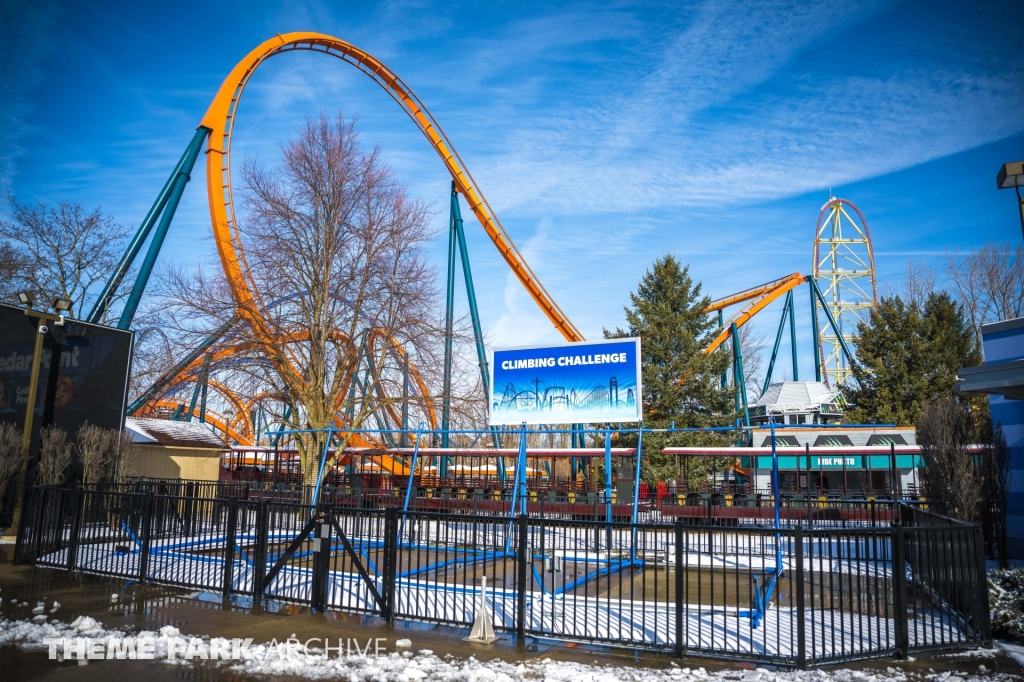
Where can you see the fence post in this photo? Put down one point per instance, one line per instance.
(19, 547)
(145, 537)
(680, 649)
(801, 622)
(229, 547)
(521, 559)
(390, 563)
(981, 591)
(40, 517)
(259, 555)
(76, 525)
(899, 587)
(322, 563)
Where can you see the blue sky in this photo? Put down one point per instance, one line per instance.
(603, 135)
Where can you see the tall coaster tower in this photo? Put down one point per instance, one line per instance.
(844, 269)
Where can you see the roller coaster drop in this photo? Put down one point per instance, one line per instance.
(245, 422)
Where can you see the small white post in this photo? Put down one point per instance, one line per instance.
(483, 630)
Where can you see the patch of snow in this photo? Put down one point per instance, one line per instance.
(285, 658)
(1014, 651)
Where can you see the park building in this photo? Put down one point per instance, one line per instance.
(175, 450)
(818, 454)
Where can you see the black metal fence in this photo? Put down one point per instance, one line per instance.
(797, 595)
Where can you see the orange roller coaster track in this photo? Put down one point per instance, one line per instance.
(220, 120)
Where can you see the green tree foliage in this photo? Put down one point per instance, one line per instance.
(908, 355)
(681, 384)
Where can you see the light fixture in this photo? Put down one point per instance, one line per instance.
(1011, 175)
(61, 304)
(27, 298)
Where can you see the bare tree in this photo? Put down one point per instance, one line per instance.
(126, 457)
(918, 282)
(64, 249)
(944, 431)
(97, 451)
(10, 455)
(11, 264)
(989, 283)
(54, 456)
(334, 255)
(752, 345)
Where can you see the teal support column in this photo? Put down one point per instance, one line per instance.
(792, 334)
(200, 382)
(778, 342)
(740, 378)
(202, 404)
(815, 332)
(146, 269)
(721, 323)
(474, 312)
(176, 415)
(107, 295)
(816, 292)
(449, 321)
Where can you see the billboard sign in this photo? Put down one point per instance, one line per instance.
(589, 382)
(89, 382)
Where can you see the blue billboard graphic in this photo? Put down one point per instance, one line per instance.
(590, 382)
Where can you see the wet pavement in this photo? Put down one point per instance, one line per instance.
(148, 607)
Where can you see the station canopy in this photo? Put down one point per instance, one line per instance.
(796, 397)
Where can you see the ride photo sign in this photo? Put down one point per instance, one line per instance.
(589, 382)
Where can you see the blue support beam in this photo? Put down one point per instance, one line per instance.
(608, 475)
(323, 466)
(636, 490)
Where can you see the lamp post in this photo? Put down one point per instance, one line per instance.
(61, 305)
(1012, 175)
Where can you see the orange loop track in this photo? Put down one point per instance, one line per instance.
(220, 120)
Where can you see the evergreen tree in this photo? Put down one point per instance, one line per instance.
(681, 383)
(908, 355)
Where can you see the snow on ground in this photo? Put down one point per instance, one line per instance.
(292, 658)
